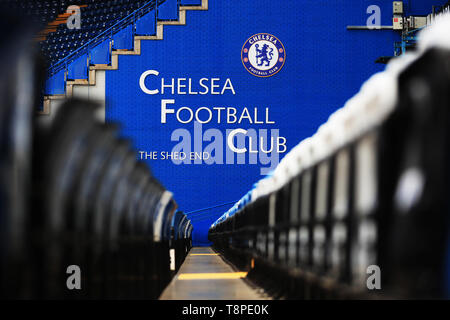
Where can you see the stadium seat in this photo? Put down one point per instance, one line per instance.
(367, 189)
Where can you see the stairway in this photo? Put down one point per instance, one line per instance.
(105, 56)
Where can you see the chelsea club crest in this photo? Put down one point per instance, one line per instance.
(263, 55)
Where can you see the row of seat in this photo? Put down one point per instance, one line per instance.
(64, 46)
(95, 18)
(66, 35)
(365, 196)
(181, 240)
(42, 3)
(74, 196)
(41, 12)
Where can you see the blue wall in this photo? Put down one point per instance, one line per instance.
(325, 66)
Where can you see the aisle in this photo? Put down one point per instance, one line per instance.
(204, 275)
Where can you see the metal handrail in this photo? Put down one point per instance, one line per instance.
(108, 33)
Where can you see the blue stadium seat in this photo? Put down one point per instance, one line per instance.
(101, 53)
(168, 10)
(147, 24)
(124, 39)
(56, 83)
(78, 69)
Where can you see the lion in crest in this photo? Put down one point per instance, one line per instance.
(264, 55)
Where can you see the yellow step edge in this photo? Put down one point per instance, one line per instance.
(212, 276)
